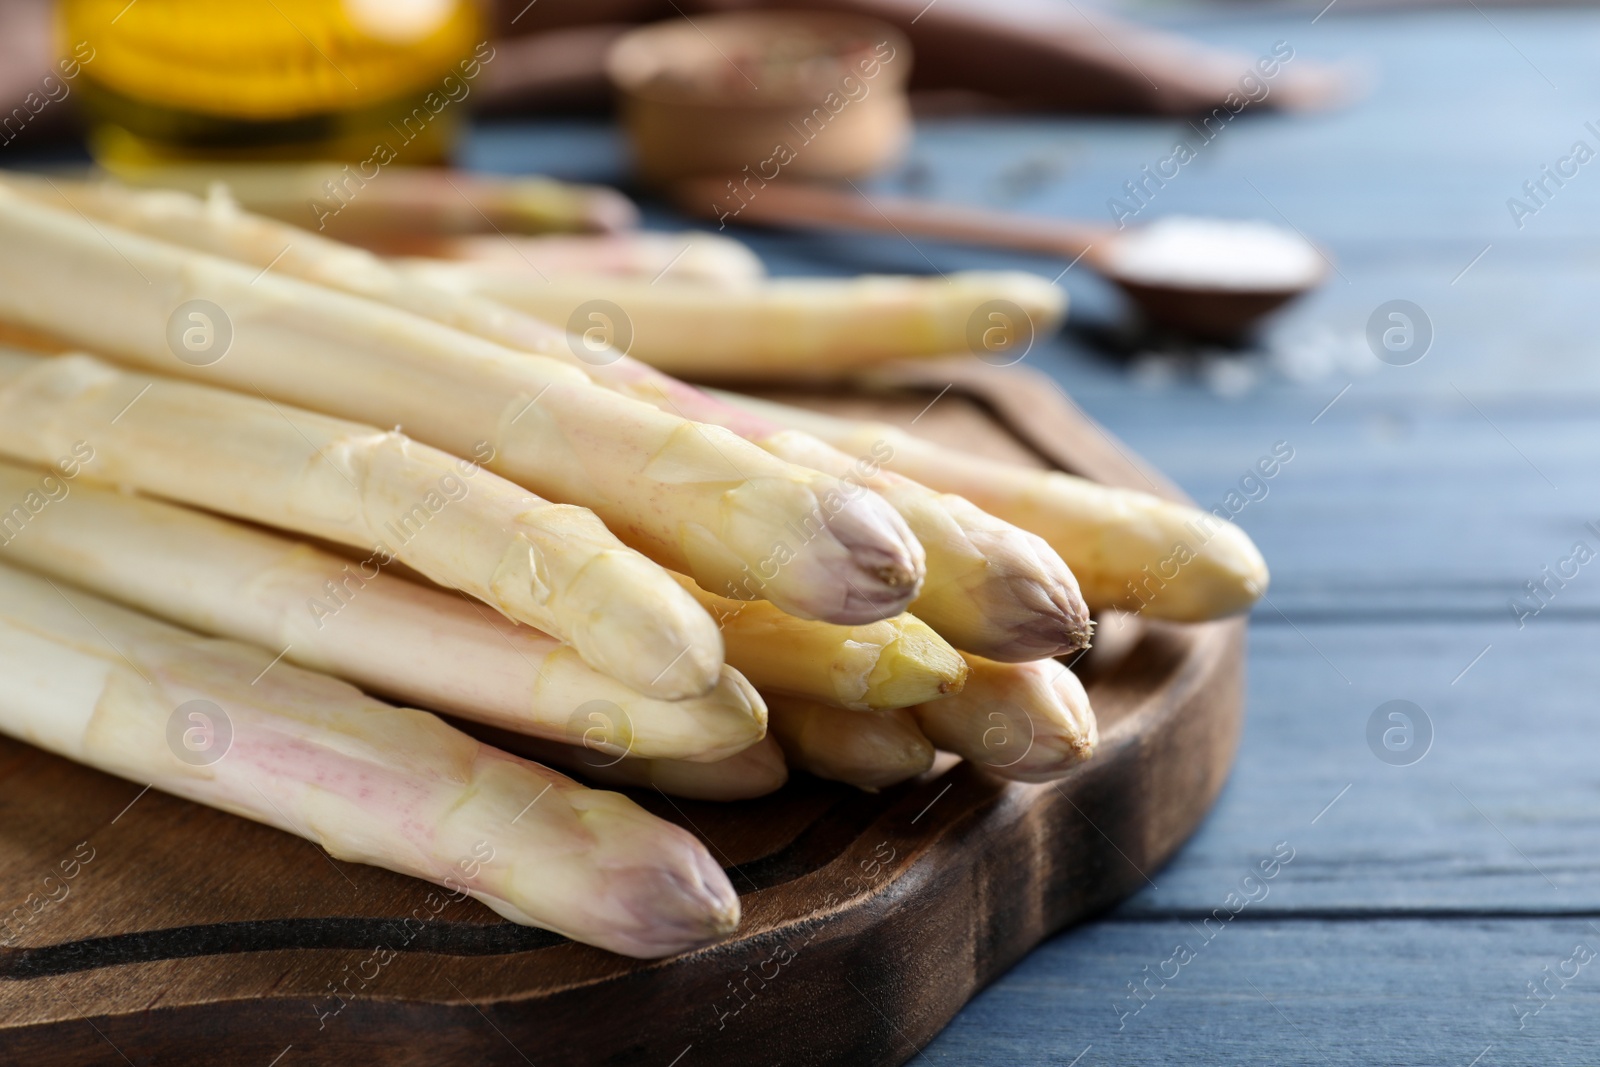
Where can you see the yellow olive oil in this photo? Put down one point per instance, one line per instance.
(236, 80)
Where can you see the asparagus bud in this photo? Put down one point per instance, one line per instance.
(552, 566)
(889, 664)
(347, 618)
(695, 498)
(1026, 721)
(1130, 550)
(869, 750)
(204, 719)
(992, 589)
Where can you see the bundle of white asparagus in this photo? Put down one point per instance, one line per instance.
(573, 555)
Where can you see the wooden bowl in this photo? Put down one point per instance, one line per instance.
(735, 95)
(190, 937)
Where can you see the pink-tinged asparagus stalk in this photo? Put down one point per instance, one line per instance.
(869, 750)
(1026, 721)
(350, 618)
(206, 720)
(552, 566)
(991, 588)
(693, 497)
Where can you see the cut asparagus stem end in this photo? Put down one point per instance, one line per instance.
(915, 667)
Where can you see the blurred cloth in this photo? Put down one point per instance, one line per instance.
(27, 57)
(1053, 55)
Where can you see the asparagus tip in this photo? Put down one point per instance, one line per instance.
(1037, 596)
(670, 909)
(885, 562)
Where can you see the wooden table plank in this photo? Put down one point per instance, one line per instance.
(1503, 813)
(1273, 992)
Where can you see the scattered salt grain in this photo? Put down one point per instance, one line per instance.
(1227, 376)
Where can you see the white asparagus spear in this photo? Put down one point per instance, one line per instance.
(1027, 721)
(869, 750)
(892, 663)
(693, 497)
(204, 719)
(991, 588)
(418, 645)
(1130, 550)
(413, 200)
(754, 772)
(552, 566)
(503, 263)
(783, 327)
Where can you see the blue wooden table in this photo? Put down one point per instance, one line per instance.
(1437, 910)
(1442, 903)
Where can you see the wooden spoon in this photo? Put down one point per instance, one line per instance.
(1189, 300)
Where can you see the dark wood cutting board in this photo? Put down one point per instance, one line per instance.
(149, 930)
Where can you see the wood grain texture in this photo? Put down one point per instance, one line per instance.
(186, 936)
(1403, 992)
(1416, 910)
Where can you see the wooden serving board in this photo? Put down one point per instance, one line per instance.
(149, 930)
